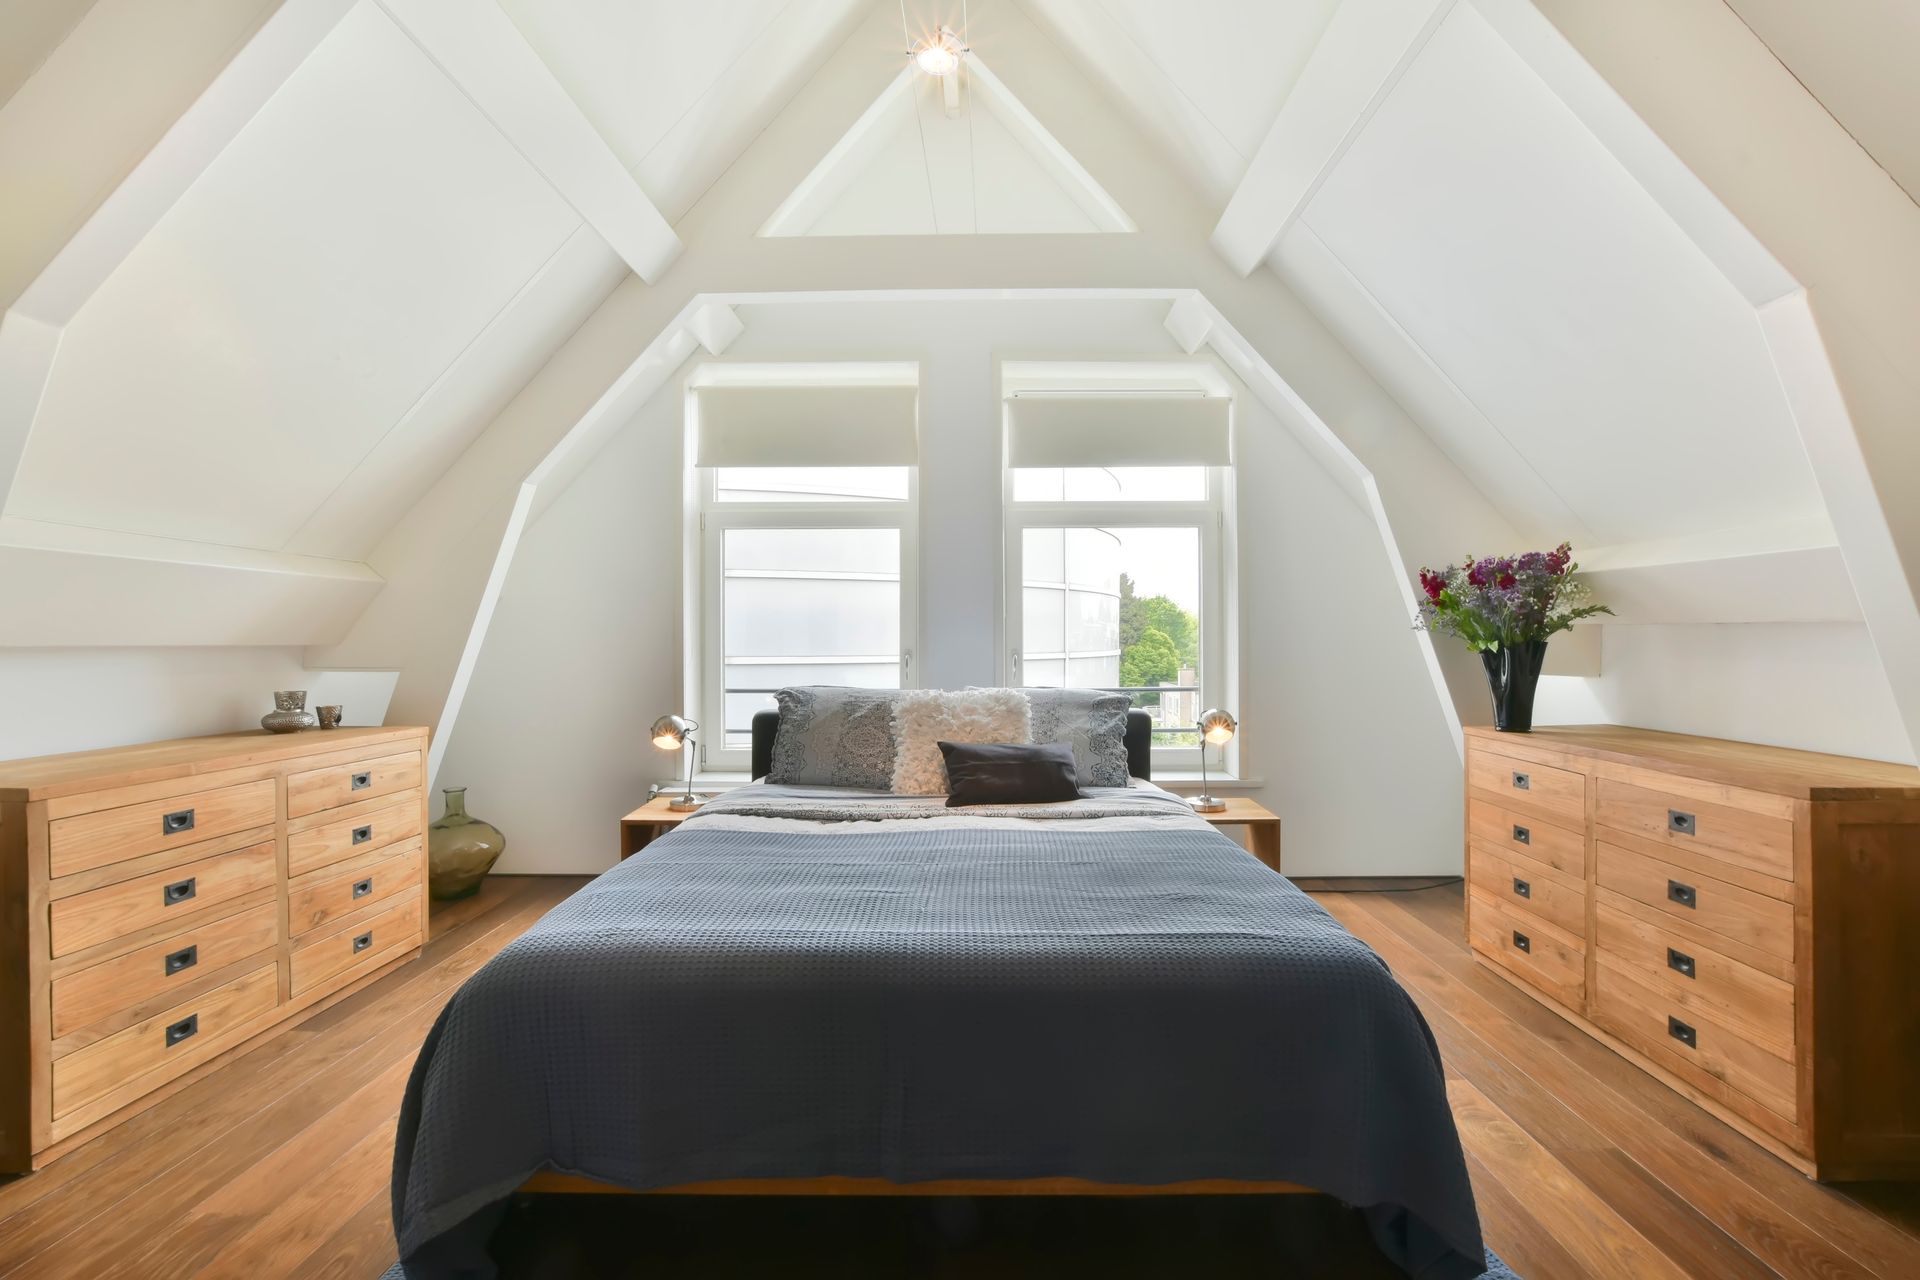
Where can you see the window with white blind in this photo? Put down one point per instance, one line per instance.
(806, 501)
(1117, 564)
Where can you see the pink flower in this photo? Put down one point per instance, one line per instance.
(1432, 583)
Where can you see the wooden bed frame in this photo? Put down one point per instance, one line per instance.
(574, 1184)
(765, 723)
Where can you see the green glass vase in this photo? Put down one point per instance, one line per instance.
(461, 849)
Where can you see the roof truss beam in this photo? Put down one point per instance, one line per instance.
(482, 52)
(1360, 57)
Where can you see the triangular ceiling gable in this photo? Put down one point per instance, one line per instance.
(910, 166)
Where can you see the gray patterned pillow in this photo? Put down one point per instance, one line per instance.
(1092, 722)
(831, 736)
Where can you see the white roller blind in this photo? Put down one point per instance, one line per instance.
(807, 427)
(1119, 430)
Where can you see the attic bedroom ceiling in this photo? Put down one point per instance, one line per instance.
(342, 314)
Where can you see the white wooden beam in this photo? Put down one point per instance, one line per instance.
(1361, 55)
(30, 331)
(72, 586)
(482, 52)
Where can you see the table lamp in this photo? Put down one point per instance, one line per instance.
(670, 733)
(1217, 728)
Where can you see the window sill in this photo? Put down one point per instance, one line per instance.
(1214, 782)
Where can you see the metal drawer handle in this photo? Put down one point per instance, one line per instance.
(361, 781)
(1681, 963)
(363, 834)
(181, 1030)
(1523, 942)
(179, 891)
(361, 888)
(1522, 782)
(364, 941)
(1684, 894)
(172, 824)
(1685, 1034)
(184, 958)
(1522, 835)
(1682, 824)
(1522, 888)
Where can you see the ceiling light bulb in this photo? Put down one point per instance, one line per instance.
(939, 56)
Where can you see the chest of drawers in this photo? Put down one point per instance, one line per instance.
(166, 905)
(1742, 921)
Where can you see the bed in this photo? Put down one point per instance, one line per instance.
(827, 991)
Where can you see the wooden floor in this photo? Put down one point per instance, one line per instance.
(276, 1165)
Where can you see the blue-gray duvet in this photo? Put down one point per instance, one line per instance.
(1128, 999)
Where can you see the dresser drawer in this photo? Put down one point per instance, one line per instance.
(1544, 955)
(1741, 835)
(100, 915)
(327, 896)
(1497, 827)
(325, 954)
(1532, 887)
(1697, 978)
(1692, 1045)
(161, 1047)
(329, 788)
(149, 973)
(1523, 784)
(89, 840)
(1701, 901)
(330, 842)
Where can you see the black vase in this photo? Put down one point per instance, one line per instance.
(1513, 674)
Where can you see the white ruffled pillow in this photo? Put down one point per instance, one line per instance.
(924, 718)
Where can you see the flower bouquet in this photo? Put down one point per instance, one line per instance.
(1505, 608)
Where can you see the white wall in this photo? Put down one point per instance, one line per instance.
(1812, 685)
(54, 700)
(584, 647)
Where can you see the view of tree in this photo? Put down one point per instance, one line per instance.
(1157, 639)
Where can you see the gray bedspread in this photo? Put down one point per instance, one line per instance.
(1126, 999)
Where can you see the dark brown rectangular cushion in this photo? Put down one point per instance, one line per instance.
(1009, 772)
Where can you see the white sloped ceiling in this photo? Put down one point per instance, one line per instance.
(316, 282)
(1601, 348)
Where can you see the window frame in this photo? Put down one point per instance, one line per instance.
(1209, 516)
(707, 685)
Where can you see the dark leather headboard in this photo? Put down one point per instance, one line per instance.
(1139, 743)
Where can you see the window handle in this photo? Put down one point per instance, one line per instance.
(906, 668)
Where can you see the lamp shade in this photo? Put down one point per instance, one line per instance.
(670, 731)
(1218, 727)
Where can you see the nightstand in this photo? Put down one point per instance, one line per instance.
(1262, 824)
(651, 819)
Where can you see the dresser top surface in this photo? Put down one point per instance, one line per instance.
(1782, 770)
(43, 777)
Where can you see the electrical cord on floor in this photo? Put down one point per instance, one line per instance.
(1441, 883)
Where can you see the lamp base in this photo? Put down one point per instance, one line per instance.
(687, 803)
(1207, 804)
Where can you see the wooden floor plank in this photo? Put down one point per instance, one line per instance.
(1586, 1226)
(1670, 1129)
(235, 1112)
(1583, 1166)
(1585, 1074)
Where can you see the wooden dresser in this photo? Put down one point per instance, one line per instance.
(1742, 921)
(166, 904)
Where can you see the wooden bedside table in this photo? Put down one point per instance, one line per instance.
(651, 819)
(1262, 824)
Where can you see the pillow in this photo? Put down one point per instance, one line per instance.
(834, 737)
(1091, 721)
(1008, 773)
(923, 718)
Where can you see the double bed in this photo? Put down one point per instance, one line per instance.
(808, 990)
